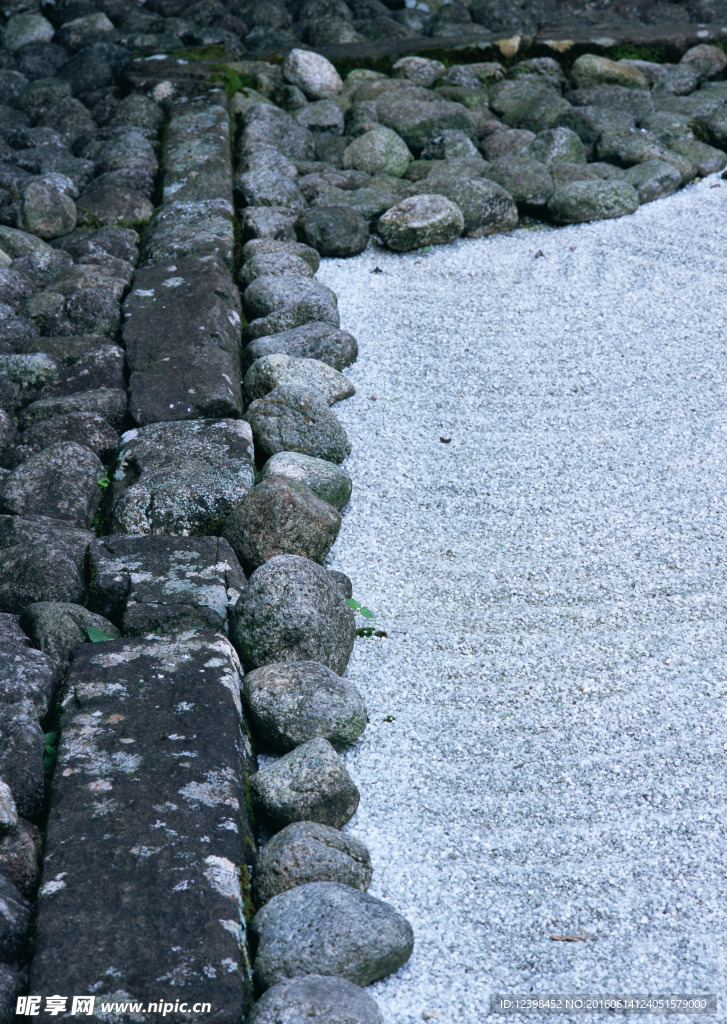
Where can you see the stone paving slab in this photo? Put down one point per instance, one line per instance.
(149, 803)
(181, 478)
(197, 212)
(182, 324)
(41, 559)
(487, 46)
(150, 583)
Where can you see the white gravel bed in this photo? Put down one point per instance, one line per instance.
(546, 753)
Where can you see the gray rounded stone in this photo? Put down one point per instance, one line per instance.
(264, 186)
(329, 481)
(30, 679)
(280, 517)
(421, 220)
(485, 206)
(273, 246)
(556, 146)
(87, 428)
(312, 73)
(708, 61)
(532, 102)
(29, 372)
(308, 784)
(108, 403)
(378, 151)
(653, 179)
(333, 230)
(56, 627)
(315, 999)
(506, 142)
(321, 116)
(268, 372)
(418, 121)
(527, 180)
(292, 610)
(451, 145)
(25, 28)
(309, 341)
(20, 860)
(47, 210)
(14, 287)
(11, 985)
(592, 200)
(419, 70)
(291, 702)
(268, 222)
(331, 929)
(296, 419)
(270, 293)
(280, 303)
(14, 921)
(307, 851)
(60, 481)
(9, 812)
(22, 745)
(275, 265)
(591, 70)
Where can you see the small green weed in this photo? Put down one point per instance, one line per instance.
(95, 635)
(232, 81)
(139, 224)
(385, 402)
(88, 219)
(104, 481)
(365, 613)
(632, 51)
(49, 757)
(699, 130)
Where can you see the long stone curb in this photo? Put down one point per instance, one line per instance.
(671, 40)
(149, 838)
(149, 822)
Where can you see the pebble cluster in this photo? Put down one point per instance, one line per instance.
(171, 478)
(429, 153)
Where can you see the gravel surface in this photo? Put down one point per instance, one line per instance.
(547, 742)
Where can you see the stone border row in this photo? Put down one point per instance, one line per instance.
(66, 391)
(669, 40)
(108, 759)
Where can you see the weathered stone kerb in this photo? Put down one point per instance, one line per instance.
(141, 895)
(182, 323)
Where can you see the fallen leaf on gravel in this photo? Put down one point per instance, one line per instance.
(580, 937)
(445, 440)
